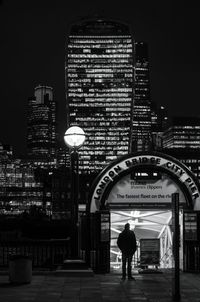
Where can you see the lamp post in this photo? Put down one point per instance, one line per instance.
(74, 138)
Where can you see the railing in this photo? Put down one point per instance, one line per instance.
(166, 259)
(44, 253)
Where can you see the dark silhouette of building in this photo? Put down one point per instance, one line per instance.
(99, 89)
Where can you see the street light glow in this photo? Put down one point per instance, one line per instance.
(74, 137)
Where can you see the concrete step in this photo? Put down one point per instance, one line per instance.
(74, 267)
(73, 264)
(74, 272)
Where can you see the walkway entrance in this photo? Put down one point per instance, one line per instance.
(153, 224)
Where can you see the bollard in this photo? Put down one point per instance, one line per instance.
(20, 269)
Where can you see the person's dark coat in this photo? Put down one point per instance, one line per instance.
(127, 242)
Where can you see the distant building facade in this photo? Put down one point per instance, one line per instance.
(183, 133)
(182, 140)
(19, 189)
(141, 132)
(99, 79)
(41, 123)
(190, 157)
(159, 123)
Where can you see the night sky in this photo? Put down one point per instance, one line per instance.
(32, 52)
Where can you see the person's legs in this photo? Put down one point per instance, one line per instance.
(124, 266)
(129, 266)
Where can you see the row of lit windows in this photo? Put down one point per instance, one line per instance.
(98, 94)
(119, 107)
(98, 56)
(188, 132)
(186, 127)
(113, 108)
(102, 45)
(99, 60)
(117, 89)
(106, 124)
(104, 144)
(117, 129)
(116, 83)
(141, 108)
(108, 100)
(142, 116)
(108, 131)
(98, 70)
(182, 146)
(100, 75)
(24, 194)
(16, 173)
(97, 153)
(142, 80)
(114, 117)
(187, 137)
(191, 161)
(100, 49)
(102, 83)
(100, 101)
(104, 66)
(183, 142)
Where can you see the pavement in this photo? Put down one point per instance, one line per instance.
(100, 288)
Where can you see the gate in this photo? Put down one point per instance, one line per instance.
(191, 235)
(95, 243)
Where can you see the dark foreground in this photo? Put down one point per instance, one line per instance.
(100, 288)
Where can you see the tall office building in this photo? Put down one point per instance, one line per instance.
(41, 128)
(99, 89)
(141, 133)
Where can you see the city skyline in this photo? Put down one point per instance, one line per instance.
(33, 51)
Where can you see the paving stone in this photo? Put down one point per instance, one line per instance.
(100, 288)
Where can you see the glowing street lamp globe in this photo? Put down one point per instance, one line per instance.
(74, 137)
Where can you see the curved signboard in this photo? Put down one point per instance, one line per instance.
(149, 192)
(178, 173)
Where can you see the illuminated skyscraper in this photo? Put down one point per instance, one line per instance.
(99, 89)
(141, 134)
(41, 130)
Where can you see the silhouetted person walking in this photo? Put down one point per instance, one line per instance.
(127, 244)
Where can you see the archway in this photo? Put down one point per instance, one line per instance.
(122, 187)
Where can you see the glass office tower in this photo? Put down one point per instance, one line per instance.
(41, 128)
(99, 89)
(141, 134)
